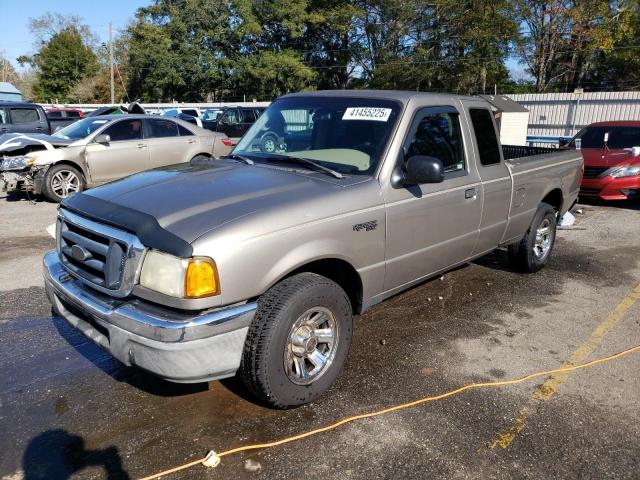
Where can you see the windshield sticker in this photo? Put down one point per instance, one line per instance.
(367, 113)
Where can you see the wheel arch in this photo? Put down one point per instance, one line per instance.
(555, 198)
(338, 270)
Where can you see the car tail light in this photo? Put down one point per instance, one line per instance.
(226, 142)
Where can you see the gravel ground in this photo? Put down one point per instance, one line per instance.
(68, 409)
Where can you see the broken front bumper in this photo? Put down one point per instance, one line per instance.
(23, 181)
(183, 347)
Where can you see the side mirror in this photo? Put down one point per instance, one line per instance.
(103, 139)
(421, 169)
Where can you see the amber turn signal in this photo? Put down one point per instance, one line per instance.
(201, 279)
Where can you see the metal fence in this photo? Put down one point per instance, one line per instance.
(157, 107)
(564, 114)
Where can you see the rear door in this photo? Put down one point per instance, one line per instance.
(26, 119)
(126, 153)
(494, 174)
(166, 146)
(248, 118)
(433, 226)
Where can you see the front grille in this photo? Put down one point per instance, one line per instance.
(594, 172)
(103, 257)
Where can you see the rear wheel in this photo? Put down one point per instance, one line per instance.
(298, 342)
(61, 181)
(532, 252)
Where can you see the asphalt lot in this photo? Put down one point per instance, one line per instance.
(67, 409)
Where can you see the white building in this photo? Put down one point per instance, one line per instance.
(9, 92)
(511, 117)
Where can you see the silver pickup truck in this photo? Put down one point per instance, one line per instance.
(332, 202)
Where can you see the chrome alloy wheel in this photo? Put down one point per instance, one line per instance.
(312, 346)
(64, 183)
(544, 238)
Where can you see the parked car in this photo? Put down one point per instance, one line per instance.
(61, 117)
(23, 117)
(212, 114)
(174, 112)
(99, 149)
(234, 122)
(255, 264)
(611, 152)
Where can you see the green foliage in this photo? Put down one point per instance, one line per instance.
(199, 50)
(62, 63)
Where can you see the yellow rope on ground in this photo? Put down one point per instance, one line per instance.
(450, 393)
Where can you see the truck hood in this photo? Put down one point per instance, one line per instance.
(598, 157)
(188, 200)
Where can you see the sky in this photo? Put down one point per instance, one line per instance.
(16, 40)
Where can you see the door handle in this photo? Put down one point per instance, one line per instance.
(141, 145)
(38, 128)
(193, 140)
(470, 193)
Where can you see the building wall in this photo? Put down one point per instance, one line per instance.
(14, 97)
(563, 114)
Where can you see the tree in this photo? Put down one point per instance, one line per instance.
(61, 63)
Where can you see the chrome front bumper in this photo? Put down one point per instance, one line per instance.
(178, 346)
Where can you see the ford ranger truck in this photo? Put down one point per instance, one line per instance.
(255, 264)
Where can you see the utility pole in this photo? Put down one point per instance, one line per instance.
(113, 95)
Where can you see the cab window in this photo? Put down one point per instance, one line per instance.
(437, 133)
(231, 117)
(125, 130)
(248, 115)
(486, 139)
(24, 115)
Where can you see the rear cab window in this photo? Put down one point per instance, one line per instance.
(485, 136)
(248, 115)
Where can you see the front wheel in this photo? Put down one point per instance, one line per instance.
(298, 342)
(532, 252)
(61, 181)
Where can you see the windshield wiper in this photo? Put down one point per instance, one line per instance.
(240, 158)
(317, 166)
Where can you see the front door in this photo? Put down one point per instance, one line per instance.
(433, 226)
(230, 125)
(126, 152)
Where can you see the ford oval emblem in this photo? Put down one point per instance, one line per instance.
(79, 253)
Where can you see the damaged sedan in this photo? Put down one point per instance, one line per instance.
(100, 149)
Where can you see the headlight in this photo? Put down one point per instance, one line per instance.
(194, 277)
(18, 162)
(624, 171)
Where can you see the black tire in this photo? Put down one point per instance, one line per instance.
(522, 254)
(269, 143)
(50, 189)
(201, 157)
(263, 369)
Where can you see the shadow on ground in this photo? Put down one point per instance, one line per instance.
(58, 454)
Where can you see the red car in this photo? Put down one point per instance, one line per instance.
(611, 152)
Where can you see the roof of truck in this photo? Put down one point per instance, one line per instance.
(401, 95)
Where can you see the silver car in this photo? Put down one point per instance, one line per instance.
(100, 149)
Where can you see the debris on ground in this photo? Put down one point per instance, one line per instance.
(252, 465)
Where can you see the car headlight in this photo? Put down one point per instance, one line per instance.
(194, 277)
(624, 171)
(17, 163)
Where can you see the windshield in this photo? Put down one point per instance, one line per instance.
(619, 137)
(80, 129)
(348, 135)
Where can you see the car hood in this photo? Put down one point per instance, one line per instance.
(189, 200)
(15, 142)
(598, 157)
